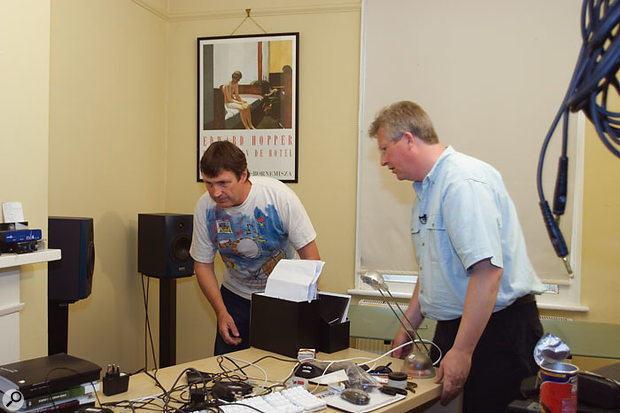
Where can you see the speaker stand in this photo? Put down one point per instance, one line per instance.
(167, 321)
(57, 326)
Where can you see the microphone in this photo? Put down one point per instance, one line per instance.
(423, 219)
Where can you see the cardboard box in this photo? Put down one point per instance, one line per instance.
(283, 326)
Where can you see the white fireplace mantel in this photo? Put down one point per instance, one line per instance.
(16, 260)
(10, 304)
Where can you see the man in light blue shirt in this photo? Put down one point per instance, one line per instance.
(475, 277)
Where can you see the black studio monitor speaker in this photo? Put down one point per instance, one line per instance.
(71, 278)
(163, 245)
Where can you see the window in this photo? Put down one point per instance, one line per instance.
(491, 75)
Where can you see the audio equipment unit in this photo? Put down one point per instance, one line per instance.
(20, 235)
(20, 247)
(18, 241)
(71, 278)
(163, 245)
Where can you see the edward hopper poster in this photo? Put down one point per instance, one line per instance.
(248, 94)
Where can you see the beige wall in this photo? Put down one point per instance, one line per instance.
(24, 107)
(107, 158)
(328, 89)
(600, 283)
(601, 236)
(601, 273)
(122, 140)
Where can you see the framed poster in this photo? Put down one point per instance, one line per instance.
(248, 94)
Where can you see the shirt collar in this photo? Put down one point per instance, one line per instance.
(421, 187)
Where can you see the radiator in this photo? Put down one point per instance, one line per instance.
(426, 330)
(555, 318)
(368, 344)
(371, 345)
(372, 302)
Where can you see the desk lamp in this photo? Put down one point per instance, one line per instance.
(418, 363)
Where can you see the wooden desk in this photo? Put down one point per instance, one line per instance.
(140, 385)
(585, 339)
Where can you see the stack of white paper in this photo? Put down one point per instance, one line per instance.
(294, 280)
(13, 212)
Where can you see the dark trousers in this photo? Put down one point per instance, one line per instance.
(239, 309)
(502, 358)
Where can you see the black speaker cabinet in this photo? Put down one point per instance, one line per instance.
(163, 245)
(71, 278)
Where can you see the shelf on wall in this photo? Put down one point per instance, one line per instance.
(8, 260)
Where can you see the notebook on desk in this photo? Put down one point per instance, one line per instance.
(48, 374)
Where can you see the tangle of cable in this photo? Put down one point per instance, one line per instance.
(596, 71)
(593, 81)
(177, 400)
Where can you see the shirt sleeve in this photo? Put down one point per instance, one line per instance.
(473, 220)
(202, 249)
(295, 219)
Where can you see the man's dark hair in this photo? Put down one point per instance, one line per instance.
(223, 156)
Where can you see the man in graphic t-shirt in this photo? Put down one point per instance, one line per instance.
(253, 224)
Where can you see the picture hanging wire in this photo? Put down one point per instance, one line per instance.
(247, 12)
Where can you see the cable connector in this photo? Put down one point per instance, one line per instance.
(114, 381)
(555, 235)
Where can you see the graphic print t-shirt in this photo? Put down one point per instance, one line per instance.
(252, 237)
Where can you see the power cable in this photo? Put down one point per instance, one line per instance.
(147, 324)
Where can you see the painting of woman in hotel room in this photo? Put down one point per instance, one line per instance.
(247, 82)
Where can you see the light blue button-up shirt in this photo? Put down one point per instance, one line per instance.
(462, 215)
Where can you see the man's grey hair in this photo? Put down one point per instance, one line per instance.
(401, 117)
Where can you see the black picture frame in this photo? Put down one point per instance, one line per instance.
(266, 94)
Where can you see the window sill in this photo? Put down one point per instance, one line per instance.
(543, 306)
(563, 307)
(372, 293)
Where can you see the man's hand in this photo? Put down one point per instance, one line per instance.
(228, 330)
(453, 370)
(401, 338)
(479, 301)
(205, 275)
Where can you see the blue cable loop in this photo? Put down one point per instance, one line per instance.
(593, 77)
